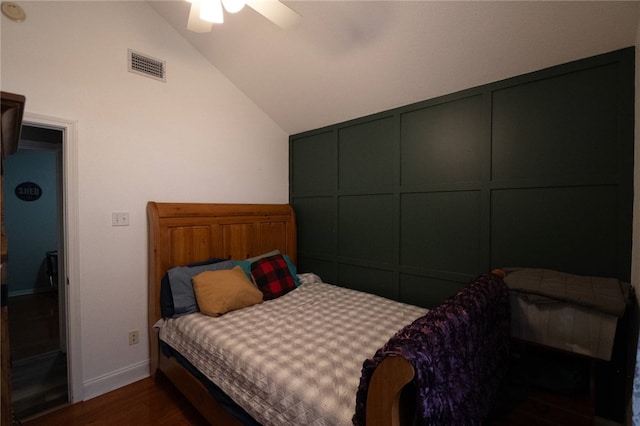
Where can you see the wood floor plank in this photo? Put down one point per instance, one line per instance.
(33, 324)
(38, 366)
(156, 402)
(146, 402)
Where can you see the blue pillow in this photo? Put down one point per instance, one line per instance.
(184, 298)
(246, 265)
(166, 298)
(167, 309)
(292, 269)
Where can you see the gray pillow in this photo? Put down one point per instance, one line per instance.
(184, 298)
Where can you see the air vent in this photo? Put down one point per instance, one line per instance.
(147, 66)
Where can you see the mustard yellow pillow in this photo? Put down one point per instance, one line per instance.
(218, 292)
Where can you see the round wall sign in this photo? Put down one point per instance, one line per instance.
(28, 191)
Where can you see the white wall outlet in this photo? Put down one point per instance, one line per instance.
(120, 219)
(133, 337)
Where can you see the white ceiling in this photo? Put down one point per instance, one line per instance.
(347, 59)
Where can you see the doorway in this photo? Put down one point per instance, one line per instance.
(33, 187)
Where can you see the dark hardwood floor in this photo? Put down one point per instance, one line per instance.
(38, 366)
(33, 324)
(547, 409)
(156, 402)
(146, 402)
(545, 388)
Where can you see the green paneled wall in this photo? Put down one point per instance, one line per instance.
(440, 231)
(565, 228)
(365, 155)
(443, 143)
(316, 168)
(536, 170)
(366, 227)
(558, 127)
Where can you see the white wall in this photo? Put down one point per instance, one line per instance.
(194, 138)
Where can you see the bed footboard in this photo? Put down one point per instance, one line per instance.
(453, 360)
(385, 390)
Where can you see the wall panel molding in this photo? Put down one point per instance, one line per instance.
(535, 170)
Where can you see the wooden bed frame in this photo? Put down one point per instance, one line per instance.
(182, 233)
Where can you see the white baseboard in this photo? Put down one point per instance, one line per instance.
(115, 379)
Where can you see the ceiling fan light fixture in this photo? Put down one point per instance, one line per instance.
(233, 6)
(194, 23)
(204, 13)
(211, 11)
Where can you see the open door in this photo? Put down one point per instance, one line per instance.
(33, 217)
(12, 112)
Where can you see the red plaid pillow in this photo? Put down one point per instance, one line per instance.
(271, 275)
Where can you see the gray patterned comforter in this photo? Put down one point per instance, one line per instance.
(295, 360)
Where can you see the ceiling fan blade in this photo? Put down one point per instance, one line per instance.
(196, 24)
(276, 12)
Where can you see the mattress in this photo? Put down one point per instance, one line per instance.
(574, 313)
(607, 295)
(294, 360)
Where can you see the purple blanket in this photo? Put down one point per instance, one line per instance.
(459, 352)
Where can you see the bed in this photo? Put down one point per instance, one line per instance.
(443, 366)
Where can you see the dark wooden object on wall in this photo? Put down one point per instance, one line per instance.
(12, 112)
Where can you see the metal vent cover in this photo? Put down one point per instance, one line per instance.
(146, 65)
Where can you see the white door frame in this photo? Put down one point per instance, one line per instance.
(71, 277)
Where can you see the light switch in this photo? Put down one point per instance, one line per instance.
(120, 219)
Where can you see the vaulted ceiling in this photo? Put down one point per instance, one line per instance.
(347, 59)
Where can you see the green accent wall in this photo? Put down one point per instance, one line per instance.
(534, 171)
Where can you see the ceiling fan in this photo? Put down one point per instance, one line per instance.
(204, 13)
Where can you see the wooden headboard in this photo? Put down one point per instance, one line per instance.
(182, 233)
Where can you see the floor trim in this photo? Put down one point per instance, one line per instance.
(115, 379)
